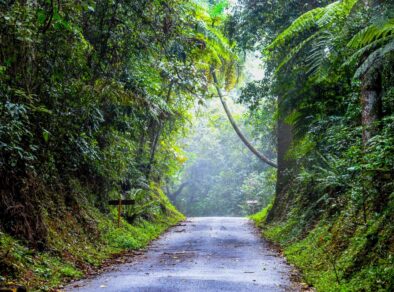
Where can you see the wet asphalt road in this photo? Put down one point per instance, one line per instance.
(202, 254)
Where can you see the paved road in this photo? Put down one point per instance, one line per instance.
(204, 254)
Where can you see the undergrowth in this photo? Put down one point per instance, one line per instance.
(73, 249)
(336, 254)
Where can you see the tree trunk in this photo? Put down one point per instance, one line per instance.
(261, 156)
(371, 91)
(140, 151)
(157, 127)
(285, 165)
(371, 104)
(155, 139)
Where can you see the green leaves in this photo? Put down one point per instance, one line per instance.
(373, 43)
(41, 16)
(309, 26)
(372, 33)
(45, 135)
(373, 59)
(217, 9)
(302, 24)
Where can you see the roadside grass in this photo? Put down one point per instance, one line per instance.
(77, 245)
(260, 217)
(335, 255)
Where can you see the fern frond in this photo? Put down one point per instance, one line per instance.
(319, 53)
(335, 11)
(214, 47)
(294, 51)
(321, 18)
(301, 24)
(361, 52)
(213, 36)
(372, 33)
(373, 59)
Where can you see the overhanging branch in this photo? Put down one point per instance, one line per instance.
(261, 156)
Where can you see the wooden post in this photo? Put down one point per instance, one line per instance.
(119, 203)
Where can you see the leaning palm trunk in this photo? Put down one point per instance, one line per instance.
(261, 156)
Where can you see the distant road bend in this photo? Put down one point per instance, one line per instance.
(202, 254)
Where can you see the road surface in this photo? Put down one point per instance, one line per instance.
(202, 254)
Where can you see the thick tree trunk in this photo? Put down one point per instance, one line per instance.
(259, 155)
(284, 172)
(285, 139)
(371, 104)
(371, 91)
(140, 150)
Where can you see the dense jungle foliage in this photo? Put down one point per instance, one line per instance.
(94, 95)
(330, 66)
(119, 99)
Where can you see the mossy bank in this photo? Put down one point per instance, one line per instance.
(334, 254)
(78, 241)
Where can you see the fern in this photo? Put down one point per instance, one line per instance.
(373, 43)
(217, 50)
(322, 19)
(319, 53)
(294, 51)
(364, 50)
(374, 58)
(336, 11)
(303, 23)
(213, 38)
(372, 33)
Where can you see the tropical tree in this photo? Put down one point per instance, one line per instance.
(322, 30)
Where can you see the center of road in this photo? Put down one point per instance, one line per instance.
(201, 254)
